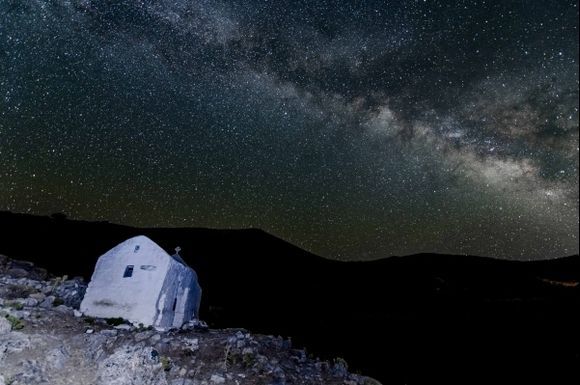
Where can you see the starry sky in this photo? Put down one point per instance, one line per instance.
(353, 129)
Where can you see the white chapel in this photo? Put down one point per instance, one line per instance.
(138, 281)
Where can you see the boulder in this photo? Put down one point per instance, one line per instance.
(48, 301)
(38, 296)
(131, 366)
(217, 379)
(5, 325)
(30, 302)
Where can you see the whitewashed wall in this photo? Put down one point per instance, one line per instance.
(148, 296)
(134, 298)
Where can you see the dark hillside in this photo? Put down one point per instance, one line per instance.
(416, 319)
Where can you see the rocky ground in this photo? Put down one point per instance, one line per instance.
(44, 339)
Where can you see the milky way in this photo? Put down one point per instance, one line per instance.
(355, 131)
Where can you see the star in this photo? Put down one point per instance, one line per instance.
(351, 129)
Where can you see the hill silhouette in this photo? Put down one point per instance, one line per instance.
(413, 319)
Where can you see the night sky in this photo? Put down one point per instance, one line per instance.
(355, 130)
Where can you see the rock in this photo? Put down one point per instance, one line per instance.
(201, 326)
(130, 366)
(339, 369)
(13, 342)
(32, 372)
(217, 379)
(38, 296)
(64, 309)
(13, 291)
(239, 335)
(71, 292)
(179, 381)
(46, 290)
(25, 314)
(142, 336)
(17, 273)
(279, 376)
(57, 357)
(31, 302)
(24, 269)
(48, 301)
(5, 325)
(195, 324)
(249, 351)
(74, 352)
(191, 343)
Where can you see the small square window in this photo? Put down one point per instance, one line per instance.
(128, 271)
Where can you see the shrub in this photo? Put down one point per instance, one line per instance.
(165, 363)
(14, 305)
(341, 361)
(16, 323)
(248, 360)
(57, 301)
(115, 321)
